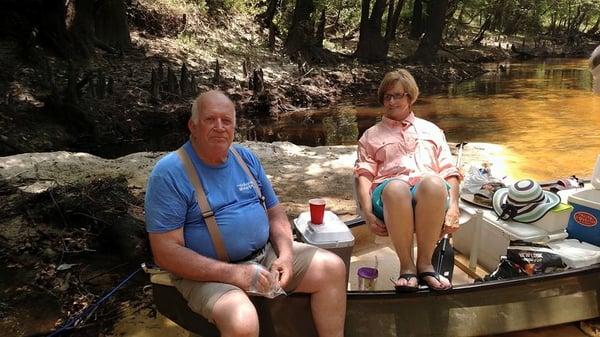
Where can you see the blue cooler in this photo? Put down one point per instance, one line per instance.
(584, 222)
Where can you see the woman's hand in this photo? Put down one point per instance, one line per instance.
(451, 224)
(375, 225)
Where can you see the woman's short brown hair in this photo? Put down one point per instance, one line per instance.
(406, 80)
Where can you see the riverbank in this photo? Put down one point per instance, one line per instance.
(111, 102)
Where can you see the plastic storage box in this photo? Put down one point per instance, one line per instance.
(556, 220)
(584, 220)
(496, 236)
(332, 235)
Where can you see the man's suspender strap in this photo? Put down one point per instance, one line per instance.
(207, 213)
(244, 166)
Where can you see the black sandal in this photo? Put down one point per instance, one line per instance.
(433, 274)
(406, 288)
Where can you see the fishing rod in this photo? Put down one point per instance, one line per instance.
(78, 319)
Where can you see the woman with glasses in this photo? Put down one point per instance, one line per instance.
(407, 182)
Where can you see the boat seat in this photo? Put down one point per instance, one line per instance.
(283, 316)
(170, 303)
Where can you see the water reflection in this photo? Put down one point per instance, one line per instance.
(334, 126)
(341, 128)
(542, 112)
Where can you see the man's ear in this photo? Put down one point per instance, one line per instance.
(191, 124)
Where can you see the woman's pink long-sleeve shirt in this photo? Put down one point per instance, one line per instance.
(406, 150)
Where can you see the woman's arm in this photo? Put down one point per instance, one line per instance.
(451, 224)
(364, 171)
(365, 182)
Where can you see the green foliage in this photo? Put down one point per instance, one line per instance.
(531, 18)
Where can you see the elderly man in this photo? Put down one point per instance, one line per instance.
(251, 229)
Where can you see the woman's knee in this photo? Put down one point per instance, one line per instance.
(235, 315)
(432, 185)
(395, 191)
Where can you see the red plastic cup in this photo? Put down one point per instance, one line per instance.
(317, 210)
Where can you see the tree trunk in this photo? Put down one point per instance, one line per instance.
(430, 43)
(73, 28)
(372, 46)
(266, 18)
(393, 19)
(481, 34)
(552, 26)
(111, 24)
(320, 35)
(300, 35)
(416, 23)
(81, 14)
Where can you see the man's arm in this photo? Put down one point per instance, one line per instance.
(280, 234)
(171, 254)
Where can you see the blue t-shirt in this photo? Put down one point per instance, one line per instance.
(170, 203)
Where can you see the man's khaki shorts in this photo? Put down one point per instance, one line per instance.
(202, 296)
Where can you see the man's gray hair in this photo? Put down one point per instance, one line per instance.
(195, 111)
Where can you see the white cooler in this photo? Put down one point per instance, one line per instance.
(332, 235)
(496, 236)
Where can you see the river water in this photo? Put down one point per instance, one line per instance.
(542, 113)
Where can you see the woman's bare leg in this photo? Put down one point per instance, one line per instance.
(398, 213)
(430, 210)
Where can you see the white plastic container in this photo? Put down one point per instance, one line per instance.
(576, 254)
(332, 234)
(496, 236)
(556, 220)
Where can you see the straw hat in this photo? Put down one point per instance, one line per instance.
(524, 201)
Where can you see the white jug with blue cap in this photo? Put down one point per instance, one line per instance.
(596, 174)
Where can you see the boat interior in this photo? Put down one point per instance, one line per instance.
(378, 252)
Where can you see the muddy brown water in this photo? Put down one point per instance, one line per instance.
(542, 112)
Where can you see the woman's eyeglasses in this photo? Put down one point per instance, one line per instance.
(388, 97)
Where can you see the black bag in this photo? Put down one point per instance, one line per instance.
(534, 258)
(506, 269)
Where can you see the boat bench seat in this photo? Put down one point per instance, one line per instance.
(282, 316)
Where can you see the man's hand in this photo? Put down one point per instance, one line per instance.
(284, 267)
(375, 225)
(451, 224)
(250, 276)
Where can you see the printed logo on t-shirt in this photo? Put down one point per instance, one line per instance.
(244, 186)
